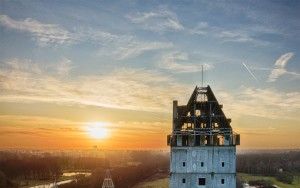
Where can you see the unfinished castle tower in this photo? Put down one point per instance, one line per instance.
(203, 144)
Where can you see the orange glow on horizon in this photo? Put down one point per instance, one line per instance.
(78, 131)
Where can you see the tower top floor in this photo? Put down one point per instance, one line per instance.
(201, 122)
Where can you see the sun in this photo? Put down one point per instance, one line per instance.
(97, 130)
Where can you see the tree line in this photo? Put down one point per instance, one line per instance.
(147, 164)
(135, 168)
(268, 164)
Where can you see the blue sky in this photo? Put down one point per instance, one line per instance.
(201, 32)
(140, 55)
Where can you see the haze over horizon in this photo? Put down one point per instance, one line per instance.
(78, 74)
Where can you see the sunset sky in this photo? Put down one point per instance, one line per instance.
(67, 67)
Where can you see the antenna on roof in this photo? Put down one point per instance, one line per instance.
(201, 75)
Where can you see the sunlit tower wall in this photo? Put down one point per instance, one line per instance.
(203, 144)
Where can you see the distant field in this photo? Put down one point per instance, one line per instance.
(247, 177)
(160, 183)
(164, 183)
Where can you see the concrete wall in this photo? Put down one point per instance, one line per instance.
(211, 181)
(211, 168)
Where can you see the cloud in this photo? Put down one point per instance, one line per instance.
(134, 48)
(265, 103)
(235, 36)
(200, 29)
(117, 46)
(228, 35)
(47, 34)
(23, 120)
(171, 61)
(44, 33)
(47, 125)
(136, 89)
(158, 21)
(279, 67)
(41, 126)
(64, 67)
(95, 35)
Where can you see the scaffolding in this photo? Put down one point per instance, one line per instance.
(201, 122)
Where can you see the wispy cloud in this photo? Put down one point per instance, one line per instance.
(235, 36)
(159, 21)
(250, 72)
(44, 33)
(88, 34)
(38, 130)
(42, 121)
(279, 67)
(117, 46)
(64, 67)
(136, 48)
(178, 62)
(227, 35)
(137, 89)
(266, 103)
(50, 125)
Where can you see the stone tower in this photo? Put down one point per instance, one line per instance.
(203, 144)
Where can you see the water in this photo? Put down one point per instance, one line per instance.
(66, 174)
(69, 174)
(52, 185)
(246, 185)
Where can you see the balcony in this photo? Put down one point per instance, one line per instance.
(203, 137)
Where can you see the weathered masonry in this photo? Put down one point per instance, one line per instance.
(203, 144)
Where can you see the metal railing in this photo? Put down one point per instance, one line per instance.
(200, 138)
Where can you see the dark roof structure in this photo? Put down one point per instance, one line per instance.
(201, 121)
(202, 110)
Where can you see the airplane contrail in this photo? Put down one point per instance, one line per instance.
(249, 71)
